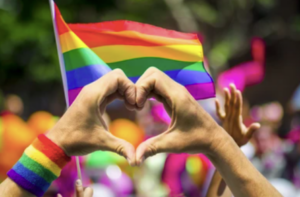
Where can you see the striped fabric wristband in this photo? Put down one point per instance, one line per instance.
(40, 164)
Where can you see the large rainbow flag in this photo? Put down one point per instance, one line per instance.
(89, 51)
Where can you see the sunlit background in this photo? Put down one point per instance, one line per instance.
(254, 44)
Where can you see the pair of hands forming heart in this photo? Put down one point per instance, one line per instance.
(82, 129)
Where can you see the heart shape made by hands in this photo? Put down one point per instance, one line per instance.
(82, 128)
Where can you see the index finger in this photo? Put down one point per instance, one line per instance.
(155, 81)
(115, 81)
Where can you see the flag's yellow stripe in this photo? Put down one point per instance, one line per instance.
(43, 160)
(70, 41)
(116, 53)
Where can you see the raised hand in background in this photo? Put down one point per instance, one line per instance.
(232, 122)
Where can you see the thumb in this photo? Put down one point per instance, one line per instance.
(122, 147)
(251, 129)
(88, 192)
(79, 188)
(149, 148)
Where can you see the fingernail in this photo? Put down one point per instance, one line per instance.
(78, 182)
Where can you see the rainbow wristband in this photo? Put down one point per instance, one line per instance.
(40, 164)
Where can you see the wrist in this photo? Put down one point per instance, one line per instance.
(57, 138)
(218, 143)
(40, 164)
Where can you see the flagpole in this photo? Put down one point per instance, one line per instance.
(63, 71)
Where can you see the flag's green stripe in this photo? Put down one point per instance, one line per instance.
(81, 57)
(136, 67)
(84, 57)
(37, 168)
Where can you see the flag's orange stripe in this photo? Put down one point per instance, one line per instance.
(70, 41)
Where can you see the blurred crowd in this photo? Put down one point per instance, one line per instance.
(276, 157)
(225, 27)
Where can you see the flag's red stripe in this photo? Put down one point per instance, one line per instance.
(61, 26)
(122, 25)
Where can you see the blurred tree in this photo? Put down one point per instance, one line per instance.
(28, 57)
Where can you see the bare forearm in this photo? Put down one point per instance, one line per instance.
(218, 187)
(9, 188)
(238, 172)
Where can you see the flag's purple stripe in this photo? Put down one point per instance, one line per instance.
(73, 94)
(81, 77)
(31, 176)
(198, 91)
(22, 182)
(202, 90)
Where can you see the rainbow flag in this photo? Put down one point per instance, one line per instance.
(91, 50)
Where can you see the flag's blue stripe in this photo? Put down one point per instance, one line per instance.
(82, 76)
(184, 77)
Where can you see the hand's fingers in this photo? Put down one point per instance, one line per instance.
(163, 101)
(113, 97)
(237, 108)
(79, 188)
(232, 95)
(231, 112)
(116, 81)
(251, 129)
(239, 102)
(149, 148)
(129, 106)
(59, 195)
(121, 147)
(227, 101)
(157, 82)
(88, 192)
(110, 99)
(220, 114)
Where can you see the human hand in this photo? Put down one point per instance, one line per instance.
(232, 120)
(81, 191)
(82, 129)
(191, 130)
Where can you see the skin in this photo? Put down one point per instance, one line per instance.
(232, 122)
(82, 130)
(192, 130)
